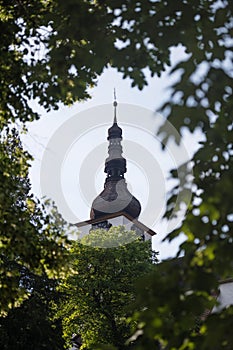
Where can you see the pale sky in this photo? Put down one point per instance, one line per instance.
(70, 147)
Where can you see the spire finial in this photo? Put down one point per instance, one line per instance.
(115, 106)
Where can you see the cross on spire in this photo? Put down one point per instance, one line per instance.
(115, 106)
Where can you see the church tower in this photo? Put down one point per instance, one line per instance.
(115, 205)
(115, 198)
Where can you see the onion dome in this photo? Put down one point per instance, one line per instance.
(115, 197)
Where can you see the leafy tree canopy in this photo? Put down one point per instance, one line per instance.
(29, 236)
(99, 292)
(29, 325)
(53, 50)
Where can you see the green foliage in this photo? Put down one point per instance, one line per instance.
(99, 291)
(174, 300)
(29, 326)
(52, 51)
(182, 290)
(29, 236)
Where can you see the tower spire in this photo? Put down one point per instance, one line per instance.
(115, 197)
(115, 164)
(115, 106)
